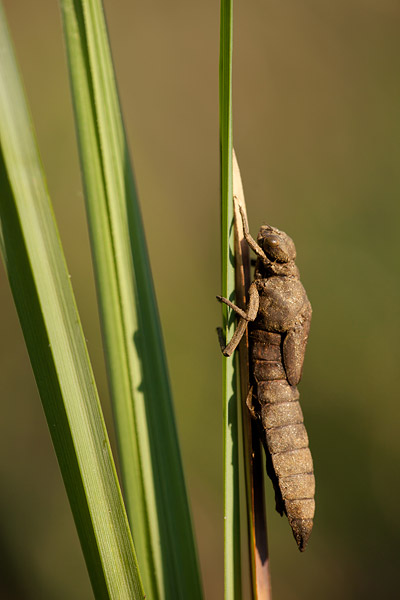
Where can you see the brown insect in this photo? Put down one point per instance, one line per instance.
(278, 317)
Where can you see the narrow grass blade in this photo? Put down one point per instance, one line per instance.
(232, 563)
(147, 439)
(252, 460)
(45, 303)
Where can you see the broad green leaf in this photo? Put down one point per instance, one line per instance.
(147, 439)
(45, 303)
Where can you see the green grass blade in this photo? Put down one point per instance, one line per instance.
(45, 303)
(147, 439)
(232, 565)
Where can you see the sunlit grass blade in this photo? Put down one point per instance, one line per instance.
(232, 563)
(45, 303)
(147, 439)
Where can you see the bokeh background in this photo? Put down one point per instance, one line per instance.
(317, 134)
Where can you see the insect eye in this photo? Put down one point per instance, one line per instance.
(272, 241)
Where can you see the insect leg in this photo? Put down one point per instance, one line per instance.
(249, 239)
(235, 339)
(245, 316)
(237, 310)
(250, 405)
(252, 307)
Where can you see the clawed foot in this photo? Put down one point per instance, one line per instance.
(237, 310)
(250, 405)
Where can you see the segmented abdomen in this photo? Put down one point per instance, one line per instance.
(286, 438)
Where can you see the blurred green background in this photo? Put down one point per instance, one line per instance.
(317, 134)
